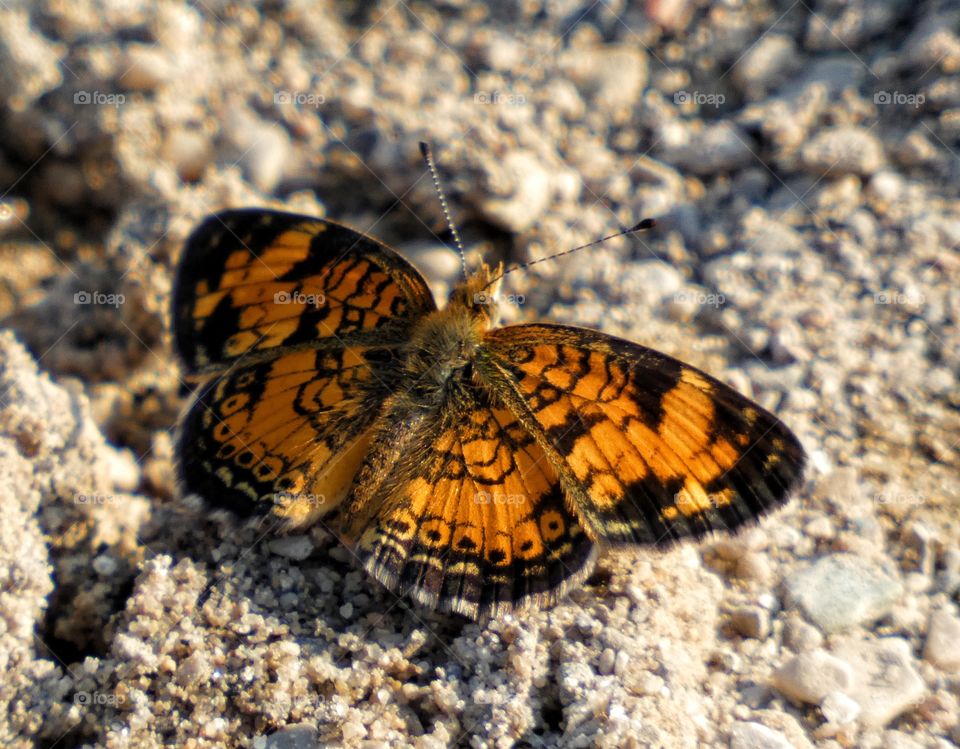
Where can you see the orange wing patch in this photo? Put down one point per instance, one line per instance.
(657, 449)
(290, 433)
(482, 527)
(253, 282)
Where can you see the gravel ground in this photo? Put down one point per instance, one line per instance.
(802, 159)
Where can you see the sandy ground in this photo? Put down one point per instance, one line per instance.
(802, 159)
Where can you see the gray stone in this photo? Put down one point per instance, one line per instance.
(756, 736)
(843, 150)
(942, 648)
(841, 591)
(839, 708)
(297, 548)
(809, 677)
(885, 682)
(722, 147)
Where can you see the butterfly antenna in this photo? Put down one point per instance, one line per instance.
(647, 223)
(428, 158)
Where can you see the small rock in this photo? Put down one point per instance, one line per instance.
(353, 731)
(723, 147)
(614, 75)
(800, 636)
(839, 709)
(809, 677)
(518, 194)
(900, 740)
(190, 151)
(295, 736)
(145, 67)
(949, 578)
(262, 147)
(104, 565)
(886, 684)
(843, 150)
(921, 540)
(942, 648)
(655, 278)
(842, 590)
(755, 567)
(606, 662)
(297, 548)
(29, 63)
(756, 736)
(751, 622)
(767, 63)
(820, 528)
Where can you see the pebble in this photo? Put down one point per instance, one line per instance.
(900, 740)
(518, 194)
(766, 64)
(886, 683)
(721, 147)
(754, 566)
(843, 150)
(614, 75)
(752, 735)
(751, 622)
(263, 149)
(942, 648)
(809, 677)
(839, 708)
(606, 662)
(295, 736)
(190, 151)
(29, 63)
(800, 636)
(653, 278)
(297, 548)
(948, 580)
(145, 67)
(841, 591)
(821, 528)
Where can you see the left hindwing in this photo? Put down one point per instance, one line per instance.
(649, 449)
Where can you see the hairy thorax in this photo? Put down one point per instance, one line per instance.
(437, 359)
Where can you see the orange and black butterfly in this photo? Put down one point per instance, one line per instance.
(476, 469)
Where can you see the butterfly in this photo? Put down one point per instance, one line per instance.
(476, 469)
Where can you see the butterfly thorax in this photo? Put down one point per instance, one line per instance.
(443, 344)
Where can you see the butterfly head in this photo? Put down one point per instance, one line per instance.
(479, 293)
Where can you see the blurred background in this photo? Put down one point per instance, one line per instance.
(801, 158)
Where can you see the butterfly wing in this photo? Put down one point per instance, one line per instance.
(303, 314)
(464, 512)
(649, 449)
(286, 435)
(254, 282)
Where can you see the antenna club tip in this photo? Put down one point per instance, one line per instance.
(424, 148)
(647, 223)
